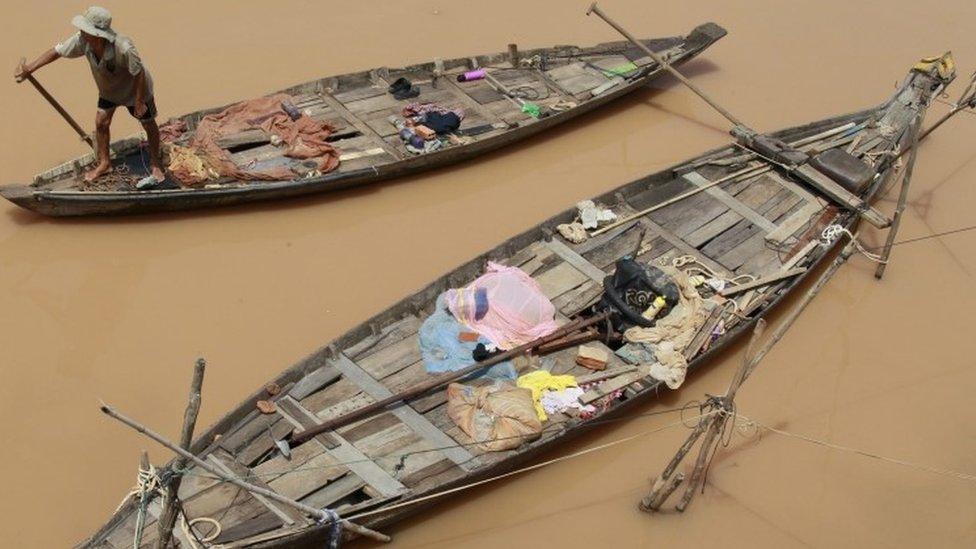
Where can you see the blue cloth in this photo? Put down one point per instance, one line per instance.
(442, 352)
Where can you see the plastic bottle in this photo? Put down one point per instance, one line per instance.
(471, 75)
(406, 134)
(655, 308)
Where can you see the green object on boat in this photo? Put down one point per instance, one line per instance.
(531, 109)
(621, 70)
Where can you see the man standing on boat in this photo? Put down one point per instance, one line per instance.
(122, 81)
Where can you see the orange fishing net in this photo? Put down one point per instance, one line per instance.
(304, 139)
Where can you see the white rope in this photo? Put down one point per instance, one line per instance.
(189, 534)
(524, 469)
(896, 461)
(832, 232)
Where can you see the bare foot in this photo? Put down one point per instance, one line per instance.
(158, 174)
(97, 172)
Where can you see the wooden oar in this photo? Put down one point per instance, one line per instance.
(664, 65)
(57, 106)
(421, 388)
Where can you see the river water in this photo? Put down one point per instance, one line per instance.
(118, 309)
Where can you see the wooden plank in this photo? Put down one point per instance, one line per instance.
(618, 382)
(793, 223)
(389, 360)
(406, 414)
(841, 195)
(560, 279)
(313, 382)
(388, 335)
(308, 477)
(470, 103)
(363, 128)
(345, 453)
(717, 192)
(581, 264)
(684, 247)
(229, 466)
(732, 290)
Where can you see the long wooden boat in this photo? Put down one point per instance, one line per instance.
(563, 81)
(763, 220)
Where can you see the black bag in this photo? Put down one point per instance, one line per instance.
(631, 289)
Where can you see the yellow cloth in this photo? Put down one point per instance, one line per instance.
(540, 381)
(944, 66)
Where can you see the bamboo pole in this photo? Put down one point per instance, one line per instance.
(270, 494)
(61, 110)
(421, 388)
(902, 200)
(750, 172)
(167, 519)
(664, 65)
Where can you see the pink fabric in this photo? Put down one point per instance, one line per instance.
(518, 312)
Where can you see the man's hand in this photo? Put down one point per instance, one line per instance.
(21, 73)
(140, 108)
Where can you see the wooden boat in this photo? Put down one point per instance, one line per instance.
(762, 220)
(564, 81)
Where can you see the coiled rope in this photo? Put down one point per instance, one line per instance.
(832, 232)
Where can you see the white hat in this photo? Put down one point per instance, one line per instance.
(96, 21)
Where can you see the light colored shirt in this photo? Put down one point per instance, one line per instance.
(115, 73)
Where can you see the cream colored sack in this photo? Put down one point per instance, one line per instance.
(498, 416)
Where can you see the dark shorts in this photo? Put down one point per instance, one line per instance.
(106, 105)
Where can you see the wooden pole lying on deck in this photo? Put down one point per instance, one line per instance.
(167, 519)
(57, 106)
(422, 388)
(714, 424)
(664, 65)
(270, 494)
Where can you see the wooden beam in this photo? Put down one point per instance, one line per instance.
(576, 260)
(684, 247)
(841, 195)
(734, 204)
(410, 417)
(346, 453)
(760, 282)
(230, 467)
(363, 127)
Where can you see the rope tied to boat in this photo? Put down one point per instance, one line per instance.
(332, 519)
(833, 231)
(148, 484)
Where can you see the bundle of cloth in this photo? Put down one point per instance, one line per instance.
(202, 159)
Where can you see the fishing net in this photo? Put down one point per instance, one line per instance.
(303, 138)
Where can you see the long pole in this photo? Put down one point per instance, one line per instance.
(57, 106)
(270, 494)
(900, 208)
(167, 519)
(657, 59)
(421, 388)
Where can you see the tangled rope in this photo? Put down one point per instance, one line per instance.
(832, 232)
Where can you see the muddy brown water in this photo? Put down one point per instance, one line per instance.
(118, 309)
